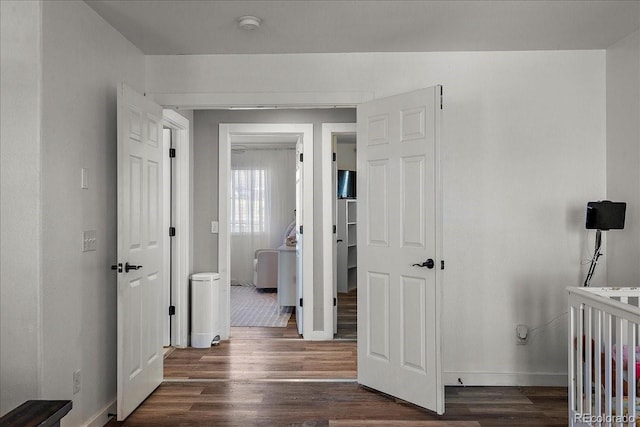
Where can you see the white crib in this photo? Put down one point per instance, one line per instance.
(600, 392)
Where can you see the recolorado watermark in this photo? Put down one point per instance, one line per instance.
(603, 419)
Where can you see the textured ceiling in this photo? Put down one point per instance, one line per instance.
(180, 27)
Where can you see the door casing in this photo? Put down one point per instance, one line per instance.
(226, 131)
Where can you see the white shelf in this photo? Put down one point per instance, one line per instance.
(347, 248)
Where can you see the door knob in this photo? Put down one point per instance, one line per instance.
(128, 267)
(428, 263)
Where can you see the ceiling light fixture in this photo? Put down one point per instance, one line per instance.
(249, 22)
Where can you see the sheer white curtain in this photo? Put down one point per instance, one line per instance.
(263, 200)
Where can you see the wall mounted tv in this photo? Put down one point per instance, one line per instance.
(346, 184)
(605, 215)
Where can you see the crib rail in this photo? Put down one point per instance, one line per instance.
(603, 334)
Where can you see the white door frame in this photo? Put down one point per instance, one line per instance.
(181, 201)
(328, 196)
(226, 131)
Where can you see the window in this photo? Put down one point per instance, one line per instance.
(248, 200)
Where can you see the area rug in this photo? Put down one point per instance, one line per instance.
(253, 307)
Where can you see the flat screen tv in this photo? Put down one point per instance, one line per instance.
(346, 184)
(606, 215)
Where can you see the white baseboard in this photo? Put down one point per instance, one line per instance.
(101, 418)
(506, 379)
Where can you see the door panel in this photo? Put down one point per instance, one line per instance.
(399, 350)
(377, 210)
(412, 290)
(140, 243)
(413, 203)
(378, 315)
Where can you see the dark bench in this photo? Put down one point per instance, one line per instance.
(41, 413)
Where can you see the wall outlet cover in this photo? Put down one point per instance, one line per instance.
(522, 334)
(76, 381)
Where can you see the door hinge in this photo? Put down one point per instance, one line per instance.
(301, 157)
(334, 229)
(441, 96)
(300, 302)
(335, 302)
(334, 157)
(300, 229)
(172, 310)
(172, 152)
(172, 231)
(441, 264)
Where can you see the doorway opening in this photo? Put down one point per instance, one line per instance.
(287, 268)
(176, 222)
(339, 162)
(263, 229)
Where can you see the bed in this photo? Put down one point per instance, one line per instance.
(604, 356)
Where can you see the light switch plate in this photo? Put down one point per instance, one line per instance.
(84, 179)
(89, 240)
(214, 227)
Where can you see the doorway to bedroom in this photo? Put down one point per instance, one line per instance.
(262, 227)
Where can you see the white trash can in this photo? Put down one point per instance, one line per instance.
(205, 300)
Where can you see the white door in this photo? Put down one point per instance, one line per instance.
(299, 259)
(399, 303)
(140, 249)
(334, 240)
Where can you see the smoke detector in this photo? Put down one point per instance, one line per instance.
(249, 23)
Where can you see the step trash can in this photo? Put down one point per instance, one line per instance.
(205, 318)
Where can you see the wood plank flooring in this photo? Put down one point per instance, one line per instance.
(251, 403)
(348, 315)
(269, 377)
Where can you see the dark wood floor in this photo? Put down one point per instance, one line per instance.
(269, 377)
(265, 353)
(348, 315)
(255, 403)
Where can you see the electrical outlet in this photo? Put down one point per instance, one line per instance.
(76, 381)
(522, 334)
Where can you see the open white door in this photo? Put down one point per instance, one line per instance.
(299, 216)
(399, 247)
(140, 249)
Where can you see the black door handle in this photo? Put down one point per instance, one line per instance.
(128, 267)
(428, 263)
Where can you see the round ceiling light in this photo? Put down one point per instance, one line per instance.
(249, 23)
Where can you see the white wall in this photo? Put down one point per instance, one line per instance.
(623, 157)
(20, 202)
(83, 60)
(523, 151)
